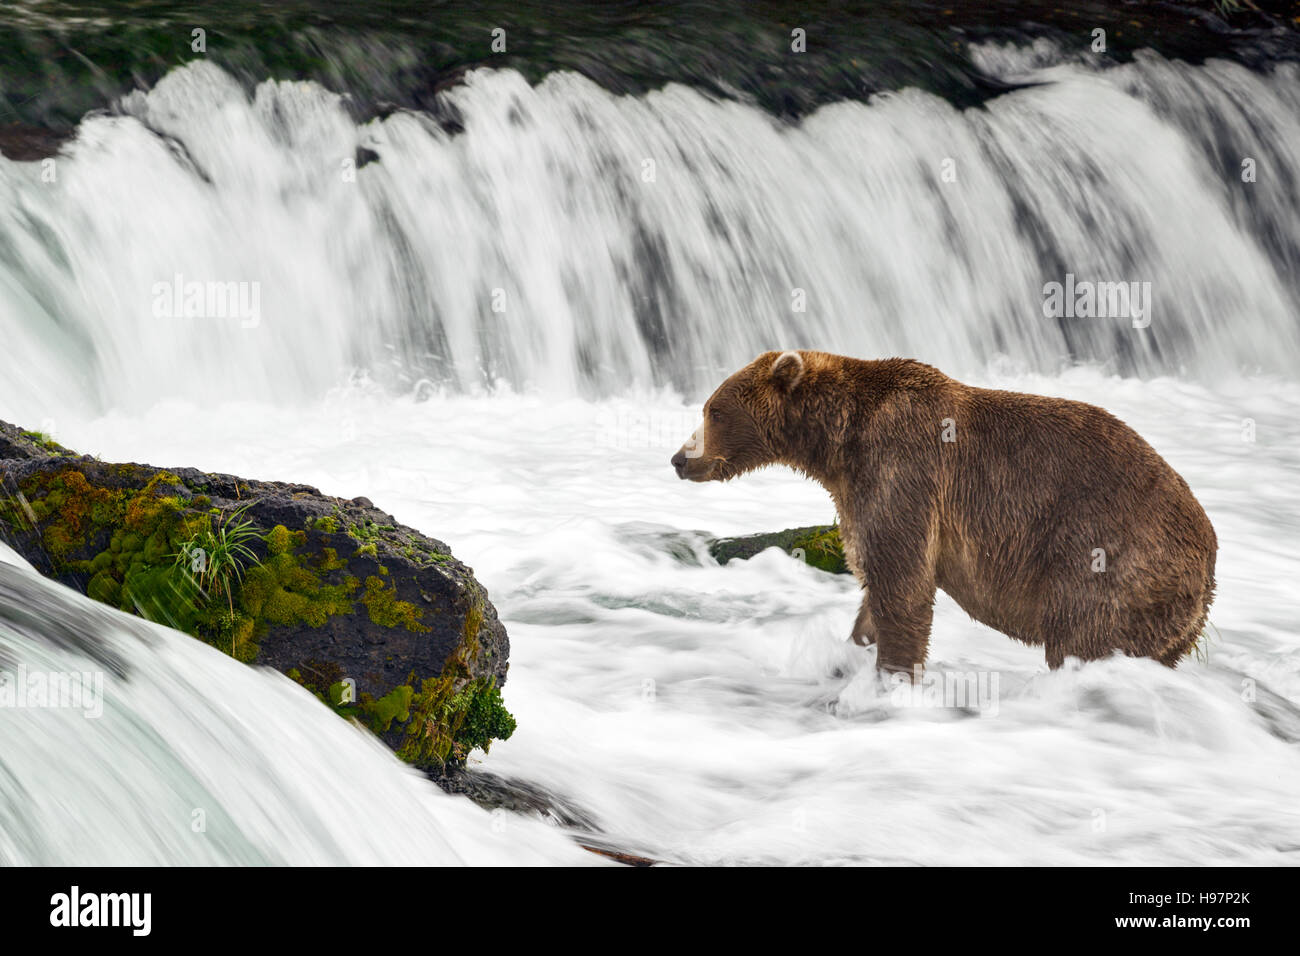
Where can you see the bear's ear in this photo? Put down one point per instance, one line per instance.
(787, 370)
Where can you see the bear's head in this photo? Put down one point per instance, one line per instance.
(744, 420)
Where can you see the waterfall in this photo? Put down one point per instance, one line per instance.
(560, 238)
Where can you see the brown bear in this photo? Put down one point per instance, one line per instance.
(1047, 519)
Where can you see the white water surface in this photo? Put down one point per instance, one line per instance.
(706, 714)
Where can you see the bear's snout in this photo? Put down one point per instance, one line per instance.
(679, 463)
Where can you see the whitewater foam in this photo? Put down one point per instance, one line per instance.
(574, 242)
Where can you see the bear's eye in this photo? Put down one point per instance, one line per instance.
(713, 414)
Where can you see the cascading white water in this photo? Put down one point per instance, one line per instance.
(573, 241)
(704, 714)
(169, 752)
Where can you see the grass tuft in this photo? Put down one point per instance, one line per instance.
(217, 554)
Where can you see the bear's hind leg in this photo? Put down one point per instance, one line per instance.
(1192, 614)
(1082, 630)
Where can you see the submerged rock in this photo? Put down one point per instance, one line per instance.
(25, 143)
(381, 622)
(818, 545)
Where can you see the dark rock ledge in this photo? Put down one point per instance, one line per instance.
(818, 545)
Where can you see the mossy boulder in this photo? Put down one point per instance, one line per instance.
(819, 545)
(381, 622)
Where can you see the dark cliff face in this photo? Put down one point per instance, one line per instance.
(788, 58)
(380, 621)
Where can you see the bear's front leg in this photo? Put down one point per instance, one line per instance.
(864, 629)
(899, 571)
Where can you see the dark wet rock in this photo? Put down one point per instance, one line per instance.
(494, 792)
(381, 622)
(25, 143)
(818, 545)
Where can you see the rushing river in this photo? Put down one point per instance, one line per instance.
(499, 327)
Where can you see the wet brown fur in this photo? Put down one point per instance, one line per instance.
(1004, 519)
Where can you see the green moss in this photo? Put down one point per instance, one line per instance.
(395, 705)
(319, 674)
(14, 512)
(43, 440)
(455, 713)
(103, 587)
(473, 621)
(279, 540)
(283, 590)
(447, 724)
(140, 532)
(330, 560)
(485, 717)
(157, 547)
(423, 555)
(823, 550)
(149, 506)
(70, 510)
(326, 524)
(444, 722)
(364, 531)
(819, 545)
(368, 535)
(242, 639)
(387, 611)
